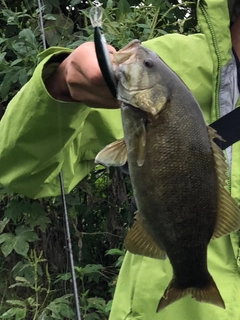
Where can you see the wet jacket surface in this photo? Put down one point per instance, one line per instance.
(41, 136)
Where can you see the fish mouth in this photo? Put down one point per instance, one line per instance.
(127, 105)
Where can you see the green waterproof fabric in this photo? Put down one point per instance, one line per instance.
(40, 136)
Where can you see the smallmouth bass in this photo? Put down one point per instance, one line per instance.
(178, 173)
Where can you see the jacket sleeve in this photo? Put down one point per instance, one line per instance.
(40, 136)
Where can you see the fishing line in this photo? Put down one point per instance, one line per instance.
(96, 3)
(69, 246)
(67, 228)
(41, 8)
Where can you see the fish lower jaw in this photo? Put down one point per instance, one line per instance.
(125, 105)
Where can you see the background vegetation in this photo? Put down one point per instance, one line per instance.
(34, 266)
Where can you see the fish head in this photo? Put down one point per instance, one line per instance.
(140, 76)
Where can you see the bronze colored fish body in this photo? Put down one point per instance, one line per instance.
(177, 173)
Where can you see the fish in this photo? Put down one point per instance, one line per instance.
(178, 173)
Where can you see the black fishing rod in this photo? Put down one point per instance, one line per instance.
(101, 48)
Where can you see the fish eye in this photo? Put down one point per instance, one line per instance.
(148, 63)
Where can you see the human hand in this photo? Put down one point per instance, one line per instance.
(78, 78)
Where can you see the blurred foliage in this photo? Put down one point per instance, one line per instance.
(34, 266)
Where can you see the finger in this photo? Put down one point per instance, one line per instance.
(91, 70)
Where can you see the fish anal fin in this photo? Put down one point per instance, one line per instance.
(114, 154)
(139, 241)
(228, 217)
(209, 294)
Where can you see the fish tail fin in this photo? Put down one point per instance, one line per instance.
(209, 294)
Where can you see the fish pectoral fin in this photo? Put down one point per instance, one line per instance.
(209, 294)
(139, 241)
(141, 145)
(114, 154)
(228, 217)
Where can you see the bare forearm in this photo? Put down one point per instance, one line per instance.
(56, 84)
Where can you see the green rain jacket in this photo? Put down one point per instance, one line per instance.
(41, 136)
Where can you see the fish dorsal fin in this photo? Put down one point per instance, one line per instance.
(228, 217)
(114, 154)
(139, 241)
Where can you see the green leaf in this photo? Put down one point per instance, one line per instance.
(19, 314)
(115, 251)
(92, 268)
(36, 216)
(109, 4)
(64, 277)
(63, 299)
(21, 246)
(19, 284)
(2, 56)
(97, 303)
(3, 224)
(6, 237)
(2, 40)
(26, 233)
(14, 211)
(119, 261)
(123, 9)
(18, 242)
(25, 271)
(21, 279)
(49, 17)
(28, 35)
(92, 271)
(8, 240)
(23, 77)
(6, 83)
(30, 236)
(67, 312)
(55, 309)
(92, 316)
(60, 308)
(16, 303)
(108, 307)
(15, 62)
(21, 48)
(8, 314)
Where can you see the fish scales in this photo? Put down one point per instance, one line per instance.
(172, 182)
